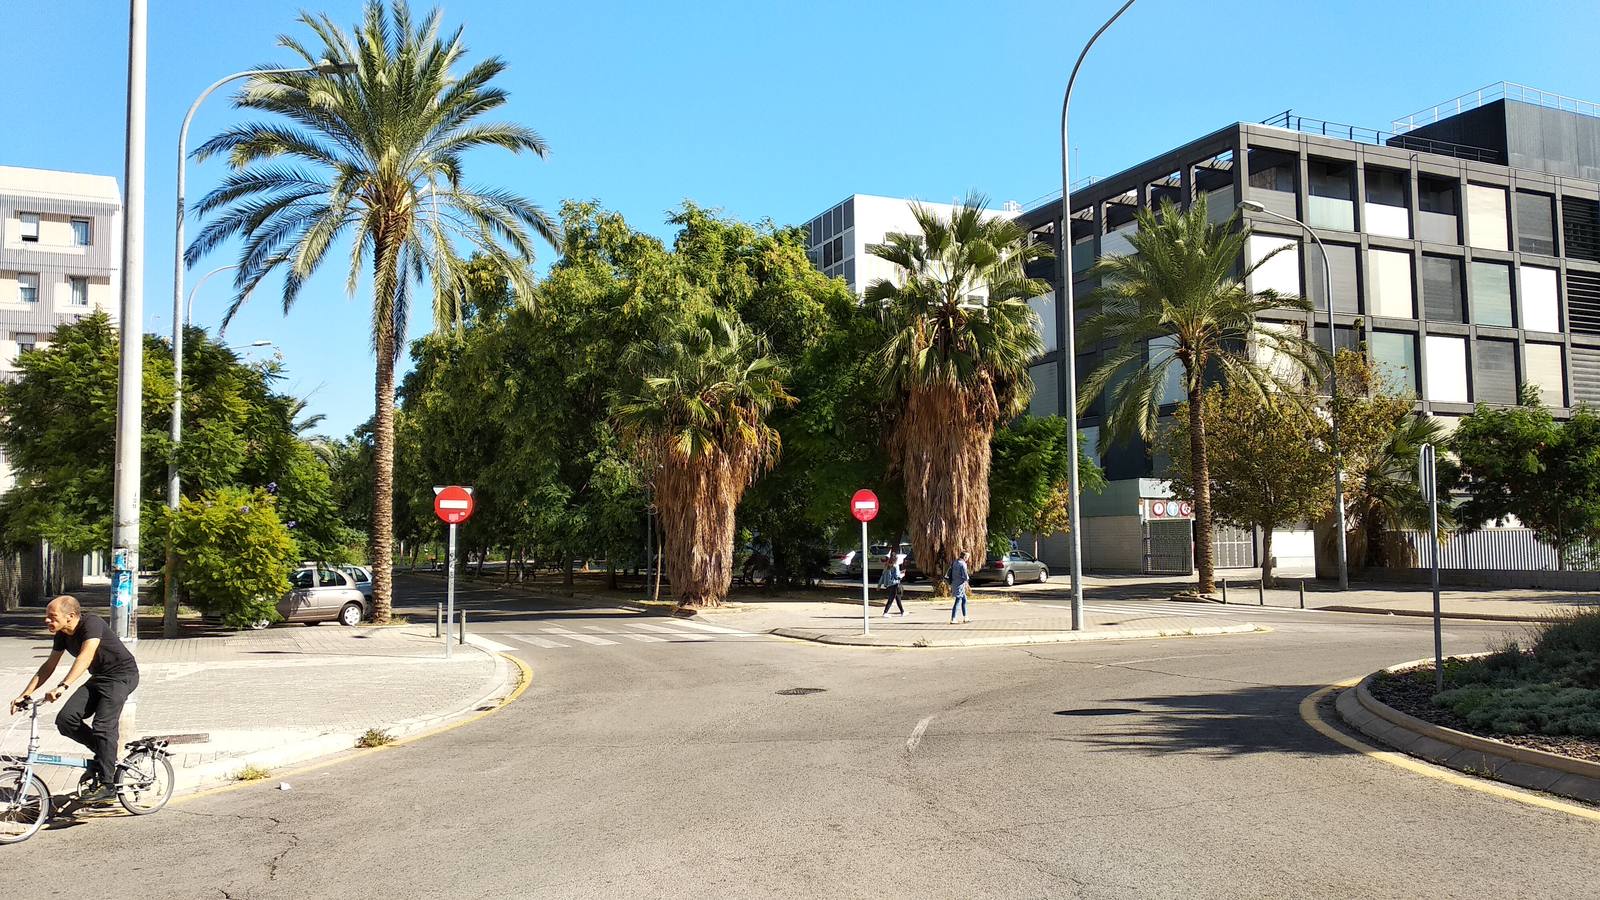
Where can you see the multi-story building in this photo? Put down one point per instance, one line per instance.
(1463, 250)
(839, 237)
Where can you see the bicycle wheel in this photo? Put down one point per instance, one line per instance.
(24, 806)
(144, 782)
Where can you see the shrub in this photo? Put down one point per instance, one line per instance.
(233, 554)
(1551, 688)
(374, 737)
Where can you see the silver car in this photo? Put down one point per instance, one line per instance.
(363, 579)
(1013, 567)
(323, 594)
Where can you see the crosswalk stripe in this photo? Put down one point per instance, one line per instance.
(574, 636)
(491, 646)
(1152, 609)
(645, 638)
(713, 628)
(536, 641)
(680, 635)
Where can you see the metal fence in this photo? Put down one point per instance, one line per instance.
(1501, 549)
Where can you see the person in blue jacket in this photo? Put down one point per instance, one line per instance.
(890, 582)
(959, 577)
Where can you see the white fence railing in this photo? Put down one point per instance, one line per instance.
(1502, 549)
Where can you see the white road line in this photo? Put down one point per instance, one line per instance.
(1156, 611)
(574, 636)
(645, 638)
(714, 628)
(680, 635)
(916, 735)
(536, 641)
(491, 646)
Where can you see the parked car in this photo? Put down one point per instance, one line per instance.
(1009, 569)
(323, 594)
(879, 555)
(363, 579)
(840, 562)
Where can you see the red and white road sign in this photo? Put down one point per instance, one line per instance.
(864, 505)
(453, 504)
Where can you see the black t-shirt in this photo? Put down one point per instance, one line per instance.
(111, 659)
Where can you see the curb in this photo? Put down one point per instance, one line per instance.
(1049, 637)
(1469, 753)
(1428, 614)
(221, 772)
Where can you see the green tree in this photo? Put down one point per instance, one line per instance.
(234, 554)
(373, 154)
(696, 416)
(954, 366)
(1269, 462)
(1523, 462)
(1183, 281)
(1029, 477)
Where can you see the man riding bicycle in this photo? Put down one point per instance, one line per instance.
(113, 675)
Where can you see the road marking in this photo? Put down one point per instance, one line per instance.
(680, 635)
(1308, 712)
(645, 638)
(491, 646)
(536, 641)
(574, 636)
(916, 735)
(715, 628)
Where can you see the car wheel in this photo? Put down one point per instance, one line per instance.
(1044, 575)
(1011, 578)
(350, 614)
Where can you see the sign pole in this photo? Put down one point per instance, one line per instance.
(1430, 490)
(450, 590)
(453, 505)
(865, 618)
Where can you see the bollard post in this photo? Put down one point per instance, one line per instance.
(462, 638)
(1302, 593)
(1261, 592)
(438, 619)
(1224, 592)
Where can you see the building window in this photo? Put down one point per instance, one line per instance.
(850, 213)
(1486, 217)
(1390, 282)
(30, 226)
(1328, 200)
(1543, 362)
(28, 287)
(1346, 286)
(1044, 306)
(1536, 226)
(1386, 211)
(1046, 400)
(1437, 210)
(1447, 369)
(1580, 228)
(80, 290)
(1278, 271)
(1491, 294)
(82, 232)
(1441, 289)
(1497, 371)
(26, 342)
(1537, 290)
(1395, 354)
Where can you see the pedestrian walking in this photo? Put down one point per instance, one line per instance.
(890, 581)
(959, 578)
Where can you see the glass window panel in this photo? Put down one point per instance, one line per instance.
(80, 232)
(1491, 294)
(1389, 280)
(1044, 306)
(1046, 400)
(1540, 311)
(850, 213)
(1496, 380)
(28, 287)
(1543, 363)
(1346, 286)
(1395, 354)
(80, 291)
(1441, 289)
(30, 226)
(1091, 441)
(1536, 226)
(1486, 217)
(1281, 273)
(1447, 369)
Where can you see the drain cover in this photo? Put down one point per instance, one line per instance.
(799, 692)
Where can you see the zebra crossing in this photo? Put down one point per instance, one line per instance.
(572, 635)
(1180, 609)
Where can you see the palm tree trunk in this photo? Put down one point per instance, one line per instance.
(1202, 494)
(697, 499)
(942, 445)
(382, 540)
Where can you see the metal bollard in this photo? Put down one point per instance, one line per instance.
(462, 639)
(1261, 592)
(1302, 593)
(1224, 592)
(438, 620)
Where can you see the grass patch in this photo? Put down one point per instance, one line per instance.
(374, 737)
(920, 642)
(1551, 687)
(252, 772)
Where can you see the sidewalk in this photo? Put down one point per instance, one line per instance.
(276, 697)
(994, 622)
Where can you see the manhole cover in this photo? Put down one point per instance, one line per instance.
(799, 692)
(1098, 711)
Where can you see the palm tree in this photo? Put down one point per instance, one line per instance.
(373, 155)
(1183, 282)
(955, 365)
(1384, 494)
(696, 416)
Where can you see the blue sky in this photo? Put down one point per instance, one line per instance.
(770, 110)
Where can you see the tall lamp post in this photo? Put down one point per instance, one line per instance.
(1333, 388)
(130, 367)
(1070, 344)
(169, 620)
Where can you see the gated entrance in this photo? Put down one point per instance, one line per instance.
(1169, 547)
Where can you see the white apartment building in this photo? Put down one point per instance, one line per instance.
(840, 236)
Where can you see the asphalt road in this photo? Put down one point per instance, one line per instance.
(665, 761)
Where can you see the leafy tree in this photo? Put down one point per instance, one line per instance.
(1183, 281)
(1269, 463)
(954, 366)
(1029, 479)
(234, 554)
(373, 154)
(696, 416)
(1522, 462)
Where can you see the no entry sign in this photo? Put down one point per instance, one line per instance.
(864, 505)
(453, 504)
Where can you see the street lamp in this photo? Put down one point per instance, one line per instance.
(1070, 344)
(1333, 388)
(180, 318)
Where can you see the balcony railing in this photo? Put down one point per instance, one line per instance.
(1500, 90)
(1288, 120)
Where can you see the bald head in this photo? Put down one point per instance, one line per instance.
(62, 614)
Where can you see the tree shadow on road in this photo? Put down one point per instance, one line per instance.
(1248, 720)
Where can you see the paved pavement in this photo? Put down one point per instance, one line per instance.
(743, 765)
(271, 697)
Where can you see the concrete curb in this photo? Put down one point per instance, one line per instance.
(1469, 753)
(222, 771)
(1428, 614)
(1047, 637)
